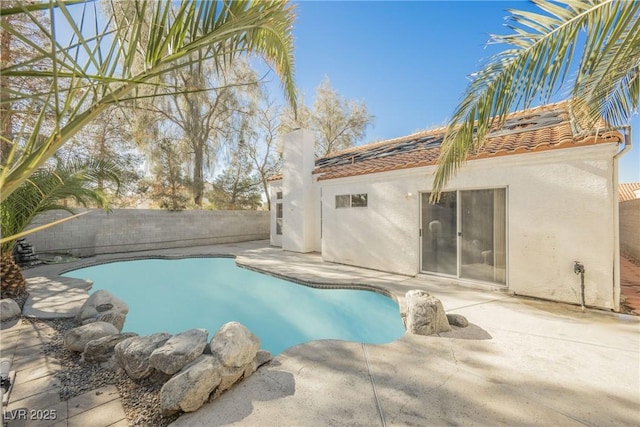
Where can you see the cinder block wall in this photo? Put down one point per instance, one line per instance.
(127, 230)
(630, 228)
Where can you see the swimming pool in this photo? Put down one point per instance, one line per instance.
(176, 295)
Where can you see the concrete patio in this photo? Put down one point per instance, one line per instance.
(520, 362)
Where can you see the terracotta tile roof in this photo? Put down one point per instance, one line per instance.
(534, 130)
(628, 191)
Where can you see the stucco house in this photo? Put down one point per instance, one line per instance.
(517, 215)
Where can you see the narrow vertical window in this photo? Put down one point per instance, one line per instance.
(278, 218)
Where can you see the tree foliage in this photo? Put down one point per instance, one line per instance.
(109, 138)
(542, 49)
(98, 67)
(237, 187)
(205, 102)
(338, 123)
(261, 138)
(168, 186)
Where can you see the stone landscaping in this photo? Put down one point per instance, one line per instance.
(192, 370)
(178, 351)
(101, 306)
(78, 338)
(187, 369)
(103, 349)
(457, 320)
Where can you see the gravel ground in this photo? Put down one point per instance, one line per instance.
(140, 399)
(21, 299)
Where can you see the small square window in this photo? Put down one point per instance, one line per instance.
(279, 195)
(343, 201)
(358, 200)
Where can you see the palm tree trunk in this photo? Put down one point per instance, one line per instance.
(12, 282)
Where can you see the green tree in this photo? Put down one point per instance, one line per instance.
(261, 140)
(96, 69)
(109, 138)
(338, 123)
(542, 49)
(237, 187)
(206, 102)
(168, 187)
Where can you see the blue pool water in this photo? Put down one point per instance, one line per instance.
(176, 295)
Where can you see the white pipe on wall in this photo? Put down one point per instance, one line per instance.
(616, 218)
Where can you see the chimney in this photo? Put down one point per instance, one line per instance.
(298, 215)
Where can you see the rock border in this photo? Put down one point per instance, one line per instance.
(192, 370)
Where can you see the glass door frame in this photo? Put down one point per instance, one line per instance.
(458, 275)
(423, 233)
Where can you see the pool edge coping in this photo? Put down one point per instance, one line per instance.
(311, 284)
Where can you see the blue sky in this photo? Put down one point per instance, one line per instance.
(408, 61)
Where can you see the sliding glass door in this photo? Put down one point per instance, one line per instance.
(439, 241)
(464, 235)
(482, 235)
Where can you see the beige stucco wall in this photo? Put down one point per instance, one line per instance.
(560, 209)
(630, 228)
(299, 193)
(126, 230)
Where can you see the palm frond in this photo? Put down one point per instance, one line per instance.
(607, 84)
(97, 70)
(47, 188)
(537, 65)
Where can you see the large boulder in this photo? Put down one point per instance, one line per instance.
(179, 350)
(113, 317)
(191, 387)
(9, 309)
(77, 338)
(229, 376)
(133, 353)
(425, 314)
(234, 345)
(102, 349)
(102, 306)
